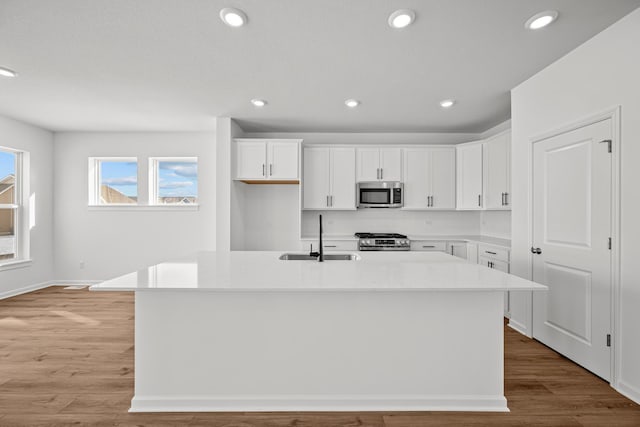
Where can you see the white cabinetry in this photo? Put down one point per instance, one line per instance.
(429, 178)
(457, 249)
(329, 178)
(498, 258)
(497, 166)
(267, 160)
(469, 162)
(429, 245)
(379, 164)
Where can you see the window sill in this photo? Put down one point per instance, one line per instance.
(182, 208)
(13, 264)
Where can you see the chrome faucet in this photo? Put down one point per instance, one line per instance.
(319, 254)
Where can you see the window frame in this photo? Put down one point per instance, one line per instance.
(22, 218)
(154, 173)
(95, 179)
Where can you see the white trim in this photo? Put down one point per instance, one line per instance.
(176, 207)
(350, 403)
(613, 114)
(15, 263)
(628, 390)
(24, 290)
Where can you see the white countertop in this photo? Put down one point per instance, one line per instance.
(488, 240)
(263, 271)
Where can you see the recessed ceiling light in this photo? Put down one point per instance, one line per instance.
(447, 103)
(352, 103)
(401, 18)
(258, 102)
(5, 72)
(233, 17)
(540, 20)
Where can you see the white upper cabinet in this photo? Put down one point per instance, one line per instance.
(329, 178)
(469, 174)
(498, 172)
(379, 164)
(267, 159)
(429, 178)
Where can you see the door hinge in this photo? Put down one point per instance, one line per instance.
(609, 243)
(608, 340)
(608, 141)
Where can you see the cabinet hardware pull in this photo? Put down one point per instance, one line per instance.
(428, 246)
(381, 173)
(378, 173)
(270, 169)
(489, 252)
(451, 249)
(490, 264)
(506, 199)
(263, 172)
(330, 246)
(479, 199)
(327, 201)
(502, 198)
(331, 201)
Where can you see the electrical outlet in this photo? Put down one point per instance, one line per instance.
(428, 222)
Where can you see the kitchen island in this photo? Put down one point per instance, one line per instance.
(246, 331)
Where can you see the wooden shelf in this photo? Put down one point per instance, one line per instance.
(272, 181)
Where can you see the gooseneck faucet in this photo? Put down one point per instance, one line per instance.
(321, 250)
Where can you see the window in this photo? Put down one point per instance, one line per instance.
(13, 234)
(173, 181)
(113, 181)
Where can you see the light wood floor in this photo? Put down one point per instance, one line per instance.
(66, 358)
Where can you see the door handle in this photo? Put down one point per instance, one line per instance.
(537, 251)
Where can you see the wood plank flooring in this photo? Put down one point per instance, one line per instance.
(66, 358)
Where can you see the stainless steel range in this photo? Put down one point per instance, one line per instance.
(383, 242)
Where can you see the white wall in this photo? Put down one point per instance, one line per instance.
(38, 143)
(602, 73)
(496, 224)
(114, 242)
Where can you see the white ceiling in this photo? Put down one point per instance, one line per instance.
(173, 65)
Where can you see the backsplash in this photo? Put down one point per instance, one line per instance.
(412, 223)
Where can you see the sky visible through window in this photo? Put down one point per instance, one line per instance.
(177, 179)
(7, 164)
(123, 176)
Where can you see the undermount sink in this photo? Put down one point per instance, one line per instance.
(327, 257)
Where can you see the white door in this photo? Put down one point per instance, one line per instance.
(251, 160)
(571, 227)
(391, 164)
(368, 164)
(469, 176)
(497, 161)
(343, 178)
(417, 183)
(283, 160)
(315, 185)
(443, 178)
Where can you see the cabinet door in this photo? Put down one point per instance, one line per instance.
(315, 185)
(457, 249)
(391, 164)
(343, 178)
(251, 161)
(497, 171)
(282, 160)
(417, 188)
(469, 176)
(495, 264)
(367, 164)
(443, 178)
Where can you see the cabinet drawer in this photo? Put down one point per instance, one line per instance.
(495, 253)
(492, 263)
(340, 245)
(429, 245)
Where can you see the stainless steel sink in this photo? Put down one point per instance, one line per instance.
(327, 257)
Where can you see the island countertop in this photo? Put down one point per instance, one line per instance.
(264, 271)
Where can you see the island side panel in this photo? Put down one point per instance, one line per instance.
(318, 351)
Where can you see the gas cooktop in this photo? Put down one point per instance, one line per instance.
(383, 242)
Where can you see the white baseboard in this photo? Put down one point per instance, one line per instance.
(518, 327)
(37, 286)
(629, 391)
(25, 289)
(299, 403)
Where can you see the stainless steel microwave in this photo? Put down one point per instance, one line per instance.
(380, 194)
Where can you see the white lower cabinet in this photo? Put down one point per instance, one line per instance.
(330, 245)
(429, 245)
(498, 258)
(457, 249)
